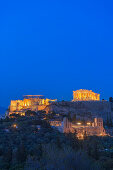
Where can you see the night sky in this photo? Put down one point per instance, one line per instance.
(53, 47)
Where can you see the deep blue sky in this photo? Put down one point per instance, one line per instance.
(53, 47)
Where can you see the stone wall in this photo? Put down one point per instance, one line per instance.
(84, 110)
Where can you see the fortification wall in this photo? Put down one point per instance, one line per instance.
(41, 107)
(83, 109)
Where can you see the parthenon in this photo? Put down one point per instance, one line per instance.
(85, 95)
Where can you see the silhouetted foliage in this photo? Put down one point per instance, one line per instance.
(21, 153)
(34, 144)
(111, 99)
(30, 113)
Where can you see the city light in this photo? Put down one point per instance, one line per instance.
(78, 123)
(14, 126)
(88, 123)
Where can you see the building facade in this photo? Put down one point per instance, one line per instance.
(90, 129)
(30, 102)
(85, 95)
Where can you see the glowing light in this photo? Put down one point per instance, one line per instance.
(80, 136)
(22, 114)
(78, 123)
(85, 95)
(14, 126)
(31, 102)
(88, 123)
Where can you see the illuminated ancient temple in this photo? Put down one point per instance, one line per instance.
(85, 95)
(89, 128)
(30, 102)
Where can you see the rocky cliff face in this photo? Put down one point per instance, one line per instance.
(83, 109)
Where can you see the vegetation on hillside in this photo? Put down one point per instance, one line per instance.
(30, 143)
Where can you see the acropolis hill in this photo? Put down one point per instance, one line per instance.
(85, 105)
(84, 110)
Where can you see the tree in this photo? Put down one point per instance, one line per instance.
(96, 154)
(69, 116)
(58, 143)
(72, 137)
(74, 118)
(7, 157)
(85, 135)
(111, 99)
(21, 154)
(30, 113)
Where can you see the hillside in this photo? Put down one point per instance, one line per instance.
(83, 109)
(30, 143)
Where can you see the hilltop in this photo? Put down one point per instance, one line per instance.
(83, 110)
